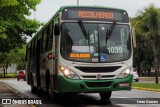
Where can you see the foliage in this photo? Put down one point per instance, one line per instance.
(147, 24)
(143, 54)
(4, 3)
(9, 75)
(14, 29)
(17, 56)
(14, 26)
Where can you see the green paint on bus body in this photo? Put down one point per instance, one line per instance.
(79, 86)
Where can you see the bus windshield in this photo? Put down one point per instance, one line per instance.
(98, 47)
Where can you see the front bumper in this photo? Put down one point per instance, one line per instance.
(88, 86)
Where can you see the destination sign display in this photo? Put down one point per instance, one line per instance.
(95, 14)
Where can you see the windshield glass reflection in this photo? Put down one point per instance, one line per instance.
(97, 47)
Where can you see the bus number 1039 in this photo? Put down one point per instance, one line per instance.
(115, 50)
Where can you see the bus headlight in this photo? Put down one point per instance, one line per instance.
(68, 73)
(124, 73)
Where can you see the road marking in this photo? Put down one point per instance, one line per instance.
(126, 105)
(33, 105)
(155, 105)
(120, 97)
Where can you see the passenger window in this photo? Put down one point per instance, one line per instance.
(50, 36)
(44, 38)
(33, 48)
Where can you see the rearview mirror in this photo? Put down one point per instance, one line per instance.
(134, 37)
(56, 29)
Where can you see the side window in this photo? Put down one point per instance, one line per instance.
(26, 57)
(44, 40)
(47, 38)
(44, 37)
(50, 36)
(41, 42)
(47, 31)
(30, 51)
(33, 48)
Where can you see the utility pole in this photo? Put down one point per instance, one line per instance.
(34, 14)
(77, 2)
(155, 61)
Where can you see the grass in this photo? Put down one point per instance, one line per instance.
(10, 75)
(146, 85)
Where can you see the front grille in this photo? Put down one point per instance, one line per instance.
(98, 69)
(103, 76)
(98, 84)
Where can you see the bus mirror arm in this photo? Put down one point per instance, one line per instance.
(56, 29)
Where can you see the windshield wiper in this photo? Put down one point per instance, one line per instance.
(80, 23)
(86, 35)
(109, 32)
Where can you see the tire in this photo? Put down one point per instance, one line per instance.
(53, 95)
(33, 90)
(18, 79)
(48, 87)
(40, 92)
(105, 95)
(136, 80)
(50, 94)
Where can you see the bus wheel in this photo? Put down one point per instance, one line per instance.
(48, 85)
(33, 89)
(52, 95)
(105, 95)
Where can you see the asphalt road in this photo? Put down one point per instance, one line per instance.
(133, 98)
(5, 93)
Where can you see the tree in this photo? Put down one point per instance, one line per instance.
(147, 27)
(142, 61)
(17, 56)
(15, 26)
(3, 62)
(6, 3)
(13, 18)
(17, 7)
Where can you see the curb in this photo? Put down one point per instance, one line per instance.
(20, 94)
(147, 89)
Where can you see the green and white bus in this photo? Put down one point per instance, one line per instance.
(82, 50)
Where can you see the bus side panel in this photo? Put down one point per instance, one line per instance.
(55, 48)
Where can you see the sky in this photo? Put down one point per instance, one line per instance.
(47, 8)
